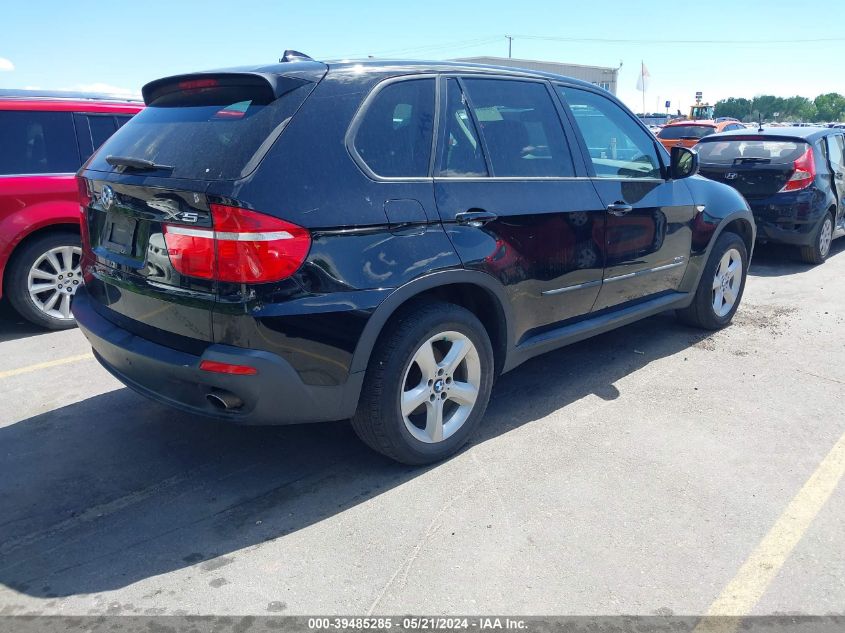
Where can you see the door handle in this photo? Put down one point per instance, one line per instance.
(475, 218)
(839, 175)
(619, 208)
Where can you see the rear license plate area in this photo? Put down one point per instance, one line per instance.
(119, 233)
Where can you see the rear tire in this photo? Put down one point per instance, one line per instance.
(721, 286)
(39, 264)
(417, 406)
(817, 252)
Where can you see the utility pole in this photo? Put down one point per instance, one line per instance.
(510, 42)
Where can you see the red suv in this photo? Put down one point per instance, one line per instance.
(44, 139)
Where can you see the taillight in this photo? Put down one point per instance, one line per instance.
(198, 84)
(191, 251)
(84, 194)
(804, 174)
(243, 247)
(84, 198)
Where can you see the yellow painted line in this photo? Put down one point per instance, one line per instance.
(751, 581)
(46, 365)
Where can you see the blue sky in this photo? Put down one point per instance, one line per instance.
(83, 44)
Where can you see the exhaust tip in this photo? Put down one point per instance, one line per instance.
(224, 400)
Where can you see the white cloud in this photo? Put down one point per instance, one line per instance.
(6, 65)
(116, 91)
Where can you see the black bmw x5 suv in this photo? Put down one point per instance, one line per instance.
(379, 240)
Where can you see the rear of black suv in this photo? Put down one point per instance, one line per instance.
(178, 253)
(234, 255)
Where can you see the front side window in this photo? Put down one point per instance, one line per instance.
(522, 132)
(394, 137)
(618, 147)
(37, 143)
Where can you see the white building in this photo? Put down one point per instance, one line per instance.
(598, 75)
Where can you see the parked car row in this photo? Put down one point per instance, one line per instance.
(792, 177)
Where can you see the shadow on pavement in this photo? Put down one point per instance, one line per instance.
(114, 489)
(13, 327)
(777, 260)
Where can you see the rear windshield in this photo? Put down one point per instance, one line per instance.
(674, 132)
(218, 133)
(774, 152)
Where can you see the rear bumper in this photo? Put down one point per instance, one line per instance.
(275, 395)
(798, 234)
(789, 218)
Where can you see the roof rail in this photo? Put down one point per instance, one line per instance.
(295, 56)
(13, 93)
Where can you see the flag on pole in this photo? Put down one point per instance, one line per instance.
(643, 79)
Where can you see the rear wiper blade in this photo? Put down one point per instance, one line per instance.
(137, 164)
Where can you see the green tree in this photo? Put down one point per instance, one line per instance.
(830, 107)
(737, 108)
(798, 109)
(768, 106)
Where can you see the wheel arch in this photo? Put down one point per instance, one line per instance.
(739, 222)
(745, 229)
(476, 291)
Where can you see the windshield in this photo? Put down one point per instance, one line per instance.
(776, 152)
(702, 112)
(210, 134)
(672, 132)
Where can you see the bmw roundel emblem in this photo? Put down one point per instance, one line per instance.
(107, 197)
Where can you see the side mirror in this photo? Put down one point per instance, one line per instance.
(684, 163)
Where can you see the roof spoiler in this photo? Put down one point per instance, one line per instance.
(274, 83)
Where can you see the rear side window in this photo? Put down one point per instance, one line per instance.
(750, 149)
(206, 132)
(676, 132)
(102, 127)
(394, 135)
(37, 143)
(521, 128)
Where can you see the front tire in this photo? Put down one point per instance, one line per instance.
(818, 251)
(721, 286)
(43, 276)
(427, 385)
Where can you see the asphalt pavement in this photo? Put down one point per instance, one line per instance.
(656, 469)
